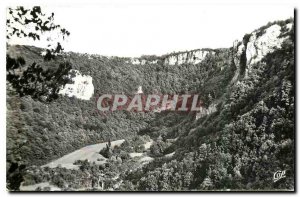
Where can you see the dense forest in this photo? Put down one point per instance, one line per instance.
(237, 147)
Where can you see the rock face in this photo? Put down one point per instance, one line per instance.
(82, 88)
(189, 57)
(258, 47)
(140, 90)
(142, 61)
(238, 49)
(135, 61)
(246, 53)
(260, 43)
(193, 57)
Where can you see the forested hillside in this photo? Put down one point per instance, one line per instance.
(239, 146)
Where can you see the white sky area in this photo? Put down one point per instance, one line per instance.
(133, 30)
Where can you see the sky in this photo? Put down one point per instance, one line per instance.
(132, 30)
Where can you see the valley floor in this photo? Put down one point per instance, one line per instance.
(90, 153)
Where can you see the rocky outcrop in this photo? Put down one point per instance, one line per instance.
(188, 57)
(81, 88)
(259, 46)
(255, 46)
(140, 90)
(141, 61)
(238, 50)
(191, 57)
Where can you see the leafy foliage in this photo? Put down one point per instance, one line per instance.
(238, 147)
(39, 82)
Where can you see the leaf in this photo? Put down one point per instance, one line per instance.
(27, 21)
(46, 22)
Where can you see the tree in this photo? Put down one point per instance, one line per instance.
(107, 151)
(38, 81)
(33, 23)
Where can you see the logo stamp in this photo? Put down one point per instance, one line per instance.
(278, 175)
